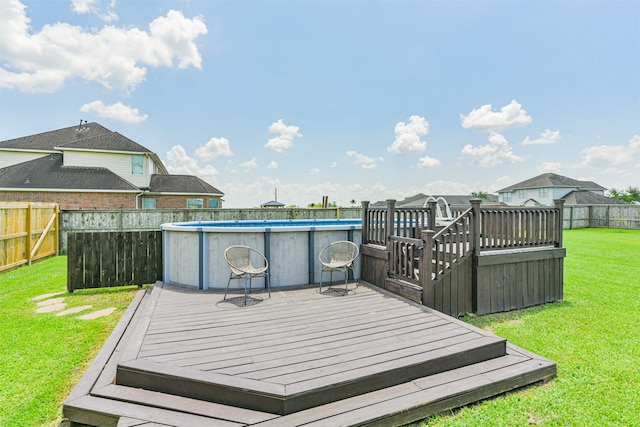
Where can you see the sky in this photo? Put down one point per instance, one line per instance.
(354, 100)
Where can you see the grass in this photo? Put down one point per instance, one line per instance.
(42, 355)
(593, 335)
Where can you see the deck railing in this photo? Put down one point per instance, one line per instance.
(449, 245)
(505, 228)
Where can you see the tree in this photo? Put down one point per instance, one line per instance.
(480, 195)
(630, 195)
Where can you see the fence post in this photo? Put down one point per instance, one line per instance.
(559, 203)
(426, 266)
(27, 243)
(433, 205)
(365, 221)
(388, 229)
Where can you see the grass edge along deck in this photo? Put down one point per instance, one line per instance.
(96, 400)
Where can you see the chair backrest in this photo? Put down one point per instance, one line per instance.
(239, 259)
(343, 250)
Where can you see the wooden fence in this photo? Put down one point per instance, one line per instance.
(113, 259)
(28, 232)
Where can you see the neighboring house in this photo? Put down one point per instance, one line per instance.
(272, 204)
(543, 189)
(454, 201)
(90, 167)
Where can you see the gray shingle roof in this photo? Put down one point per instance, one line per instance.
(585, 197)
(550, 180)
(48, 173)
(49, 140)
(181, 184)
(91, 136)
(112, 141)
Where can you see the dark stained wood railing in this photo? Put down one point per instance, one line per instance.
(449, 245)
(405, 254)
(509, 227)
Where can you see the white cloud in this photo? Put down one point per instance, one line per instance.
(428, 162)
(496, 152)
(249, 165)
(547, 137)
(95, 7)
(484, 119)
(364, 161)
(214, 148)
(116, 58)
(117, 111)
(179, 163)
(408, 136)
(273, 165)
(284, 141)
(545, 167)
(314, 171)
(610, 155)
(334, 165)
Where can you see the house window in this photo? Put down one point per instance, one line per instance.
(506, 197)
(148, 203)
(213, 203)
(137, 165)
(522, 194)
(543, 192)
(194, 203)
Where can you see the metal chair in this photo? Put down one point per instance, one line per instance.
(246, 263)
(338, 256)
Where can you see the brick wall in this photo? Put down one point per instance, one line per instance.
(70, 200)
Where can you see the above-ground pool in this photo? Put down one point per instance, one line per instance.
(193, 252)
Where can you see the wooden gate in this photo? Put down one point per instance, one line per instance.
(28, 232)
(97, 260)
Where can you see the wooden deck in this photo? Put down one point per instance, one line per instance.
(181, 357)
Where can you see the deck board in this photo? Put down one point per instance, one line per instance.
(187, 357)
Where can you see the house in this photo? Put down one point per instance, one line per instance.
(91, 167)
(454, 201)
(541, 190)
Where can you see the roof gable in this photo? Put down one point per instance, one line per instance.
(48, 173)
(112, 141)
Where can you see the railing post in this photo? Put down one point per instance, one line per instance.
(388, 229)
(426, 266)
(433, 205)
(475, 248)
(475, 225)
(365, 221)
(559, 203)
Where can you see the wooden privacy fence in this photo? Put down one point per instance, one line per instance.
(28, 232)
(106, 259)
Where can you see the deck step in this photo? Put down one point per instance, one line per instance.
(299, 393)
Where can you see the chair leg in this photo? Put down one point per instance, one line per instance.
(227, 290)
(245, 288)
(268, 284)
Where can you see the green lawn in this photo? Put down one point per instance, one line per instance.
(43, 356)
(593, 335)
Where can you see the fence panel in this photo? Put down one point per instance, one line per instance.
(106, 259)
(28, 232)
